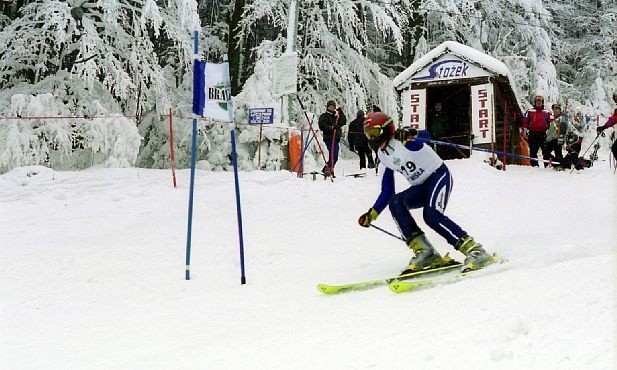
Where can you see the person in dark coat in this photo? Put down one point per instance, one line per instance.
(358, 142)
(438, 122)
(330, 123)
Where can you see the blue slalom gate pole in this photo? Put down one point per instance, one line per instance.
(234, 160)
(191, 187)
(187, 275)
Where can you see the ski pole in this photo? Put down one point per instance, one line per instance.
(313, 131)
(387, 232)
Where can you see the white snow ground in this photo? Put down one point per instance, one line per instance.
(92, 273)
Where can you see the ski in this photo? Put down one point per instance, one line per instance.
(410, 286)
(356, 175)
(370, 284)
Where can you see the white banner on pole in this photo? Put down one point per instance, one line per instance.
(482, 114)
(285, 74)
(414, 109)
(212, 91)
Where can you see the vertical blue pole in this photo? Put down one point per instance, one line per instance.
(234, 160)
(192, 183)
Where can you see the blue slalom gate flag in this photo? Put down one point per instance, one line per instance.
(212, 98)
(212, 91)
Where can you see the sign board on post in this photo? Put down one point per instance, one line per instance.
(285, 74)
(482, 115)
(261, 116)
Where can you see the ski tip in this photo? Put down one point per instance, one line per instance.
(322, 288)
(408, 286)
(327, 289)
(395, 286)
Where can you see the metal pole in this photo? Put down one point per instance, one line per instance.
(192, 182)
(259, 147)
(234, 160)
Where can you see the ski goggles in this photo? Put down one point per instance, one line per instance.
(374, 132)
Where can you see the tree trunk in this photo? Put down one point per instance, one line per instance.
(234, 47)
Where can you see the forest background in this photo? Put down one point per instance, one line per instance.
(98, 79)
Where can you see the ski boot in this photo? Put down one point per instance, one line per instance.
(326, 172)
(475, 256)
(425, 256)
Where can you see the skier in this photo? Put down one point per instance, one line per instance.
(612, 120)
(430, 189)
(535, 123)
(357, 141)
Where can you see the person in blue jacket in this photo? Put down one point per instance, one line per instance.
(430, 186)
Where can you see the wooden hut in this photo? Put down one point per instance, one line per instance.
(477, 95)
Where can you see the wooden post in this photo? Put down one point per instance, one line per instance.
(505, 131)
(171, 145)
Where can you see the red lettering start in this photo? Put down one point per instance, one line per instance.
(414, 119)
(483, 115)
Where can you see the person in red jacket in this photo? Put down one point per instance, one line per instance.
(535, 123)
(612, 121)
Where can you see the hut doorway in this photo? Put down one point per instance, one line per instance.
(449, 118)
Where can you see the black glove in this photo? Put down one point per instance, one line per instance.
(366, 219)
(600, 129)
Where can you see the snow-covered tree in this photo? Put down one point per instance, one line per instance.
(107, 57)
(585, 47)
(79, 58)
(332, 42)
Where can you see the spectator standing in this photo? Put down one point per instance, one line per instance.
(555, 135)
(535, 123)
(358, 142)
(330, 123)
(438, 122)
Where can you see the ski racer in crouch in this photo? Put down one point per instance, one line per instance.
(430, 189)
(612, 121)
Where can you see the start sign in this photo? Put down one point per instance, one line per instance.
(414, 108)
(482, 114)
